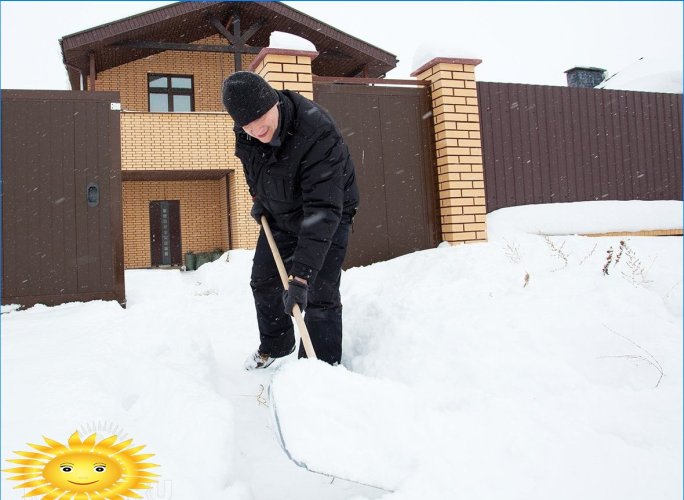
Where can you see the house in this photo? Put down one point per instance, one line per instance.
(183, 190)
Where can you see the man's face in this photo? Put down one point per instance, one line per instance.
(265, 126)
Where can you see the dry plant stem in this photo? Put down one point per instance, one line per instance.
(649, 358)
(558, 252)
(513, 252)
(582, 261)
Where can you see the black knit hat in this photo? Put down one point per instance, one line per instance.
(247, 96)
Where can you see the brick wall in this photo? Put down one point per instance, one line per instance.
(209, 69)
(458, 147)
(202, 212)
(182, 141)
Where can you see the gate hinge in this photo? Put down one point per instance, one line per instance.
(115, 106)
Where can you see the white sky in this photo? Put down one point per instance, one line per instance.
(522, 42)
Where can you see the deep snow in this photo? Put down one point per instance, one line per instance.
(528, 372)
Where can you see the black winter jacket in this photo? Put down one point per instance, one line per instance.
(307, 184)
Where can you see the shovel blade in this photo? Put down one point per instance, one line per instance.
(342, 424)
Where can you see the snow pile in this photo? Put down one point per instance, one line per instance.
(528, 367)
(647, 74)
(588, 217)
(281, 40)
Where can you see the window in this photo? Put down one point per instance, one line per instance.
(170, 93)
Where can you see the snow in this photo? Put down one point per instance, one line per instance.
(427, 51)
(647, 74)
(589, 217)
(504, 370)
(283, 40)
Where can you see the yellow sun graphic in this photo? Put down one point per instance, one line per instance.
(83, 470)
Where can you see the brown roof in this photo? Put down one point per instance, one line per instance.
(183, 22)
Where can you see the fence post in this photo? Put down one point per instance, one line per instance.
(286, 69)
(458, 146)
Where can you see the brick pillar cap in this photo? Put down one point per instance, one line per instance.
(281, 52)
(447, 60)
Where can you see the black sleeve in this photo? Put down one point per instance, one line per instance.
(322, 178)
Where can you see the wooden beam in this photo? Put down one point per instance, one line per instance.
(251, 31)
(224, 32)
(93, 74)
(237, 33)
(189, 47)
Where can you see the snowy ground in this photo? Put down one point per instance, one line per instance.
(533, 375)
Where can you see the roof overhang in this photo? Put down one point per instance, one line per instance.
(181, 23)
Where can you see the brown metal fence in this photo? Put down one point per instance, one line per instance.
(546, 144)
(389, 134)
(62, 236)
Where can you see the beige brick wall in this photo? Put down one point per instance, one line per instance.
(209, 69)
(244, 230)
(202, 210)
(203, 140)
(177, 141)
(459, 150)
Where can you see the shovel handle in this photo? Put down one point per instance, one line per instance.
(296, 312)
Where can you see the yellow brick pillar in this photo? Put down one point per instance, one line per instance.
(459, 149)
(286, 69)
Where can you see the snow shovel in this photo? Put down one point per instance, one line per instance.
(345, 425)
(297, 313)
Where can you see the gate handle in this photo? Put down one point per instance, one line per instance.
(93, 194)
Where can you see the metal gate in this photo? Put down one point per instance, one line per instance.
(389, 133)
(62, 223)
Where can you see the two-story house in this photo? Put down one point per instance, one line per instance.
(183, 189)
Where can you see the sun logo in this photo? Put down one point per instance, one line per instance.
(83, 470)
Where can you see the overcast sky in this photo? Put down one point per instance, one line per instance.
(522, 42)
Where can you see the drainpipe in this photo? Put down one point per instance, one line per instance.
(230, 225)
(80, 72)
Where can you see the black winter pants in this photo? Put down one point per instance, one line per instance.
(323, 316)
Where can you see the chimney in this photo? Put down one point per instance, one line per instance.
(585, 77)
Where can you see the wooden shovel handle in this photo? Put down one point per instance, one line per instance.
(296, 312)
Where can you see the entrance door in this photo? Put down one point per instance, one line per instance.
(165, 236)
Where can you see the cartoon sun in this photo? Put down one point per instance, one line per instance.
(83, 470)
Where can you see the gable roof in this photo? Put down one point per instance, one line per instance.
(340, 54)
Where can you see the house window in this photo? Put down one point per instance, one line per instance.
(170, 93)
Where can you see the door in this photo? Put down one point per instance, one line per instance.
(165, 237)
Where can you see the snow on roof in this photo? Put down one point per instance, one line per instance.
(647, 74)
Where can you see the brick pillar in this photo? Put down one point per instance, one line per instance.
(286, 69)
(459, 149)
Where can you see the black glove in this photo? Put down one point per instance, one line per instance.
(296, 294)
(257, 211)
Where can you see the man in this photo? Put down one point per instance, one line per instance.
(301, 177)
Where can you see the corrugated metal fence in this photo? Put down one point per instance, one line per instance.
(546, 144)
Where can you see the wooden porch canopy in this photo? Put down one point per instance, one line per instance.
(246, 25)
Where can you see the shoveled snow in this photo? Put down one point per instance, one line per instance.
(528, 372)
